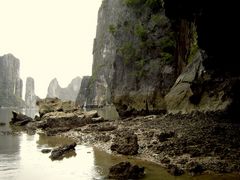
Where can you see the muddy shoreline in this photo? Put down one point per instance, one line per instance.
(197, 143)
(193, 143)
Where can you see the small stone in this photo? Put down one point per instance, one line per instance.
(45, 151)
(125, 170)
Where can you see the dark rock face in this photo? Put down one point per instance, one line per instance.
(125, 170)
(58, 116)
(126, 143)
(221, 58)
(132, 58)
(142, 48)
(30, 97)
(68, 94)
(59, 152)
(10, 82)
(212, 91)
(195, 89)
(20, 119)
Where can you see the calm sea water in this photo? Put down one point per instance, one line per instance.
(21, 158)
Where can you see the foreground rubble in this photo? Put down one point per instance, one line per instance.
(183, 143)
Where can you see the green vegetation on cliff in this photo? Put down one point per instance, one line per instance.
(153, 4)
(151, 37)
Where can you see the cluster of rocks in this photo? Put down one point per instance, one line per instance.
(56, 116)
(182, 143)
(191, 143)
(125, 170)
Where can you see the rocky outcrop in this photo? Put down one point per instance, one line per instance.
(30, 97)
(133, 57)
(54, 105)
(68, 94)
(192, 90)
(10, 82)
(213, 83)
(125, 170)
(190, 143)
(58, 116)
(20, 119)
(45, 151)
(146, 51)
(222, 58)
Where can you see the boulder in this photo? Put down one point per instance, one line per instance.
(62, 119)
(58, 153)
(197, 90)
(55, 105)
(45, 151)
(125, 170)
(20, 119)
(126, 143)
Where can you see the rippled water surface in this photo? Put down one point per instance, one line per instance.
(21, 159)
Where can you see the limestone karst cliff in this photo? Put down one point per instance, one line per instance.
(216, 84)
(155, 55)
(129, 63)
(10, 82)
(30, 96)
(68, 93)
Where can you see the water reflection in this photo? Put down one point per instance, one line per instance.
(9, 146)
(45, 141)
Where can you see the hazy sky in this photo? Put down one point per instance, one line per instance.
(52, 38)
